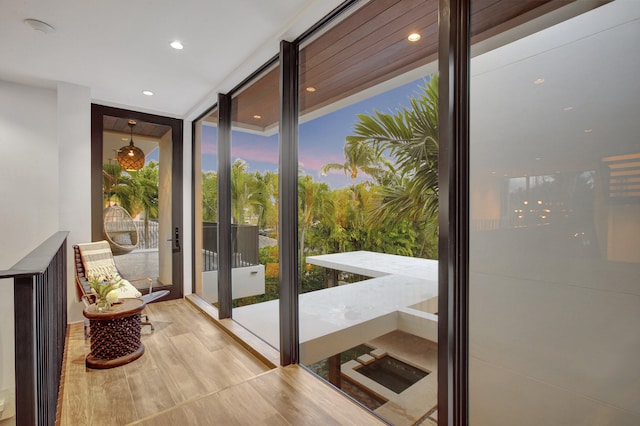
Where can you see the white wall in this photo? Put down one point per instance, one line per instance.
(28, 170)
(74, 156)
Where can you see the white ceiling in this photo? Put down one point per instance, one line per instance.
(119, 48)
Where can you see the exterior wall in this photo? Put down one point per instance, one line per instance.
(164, 210)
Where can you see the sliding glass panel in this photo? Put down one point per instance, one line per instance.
(368, 203)
(206, 207)
(254, 206)
(555, 216)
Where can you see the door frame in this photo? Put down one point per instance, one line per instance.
(176, 125)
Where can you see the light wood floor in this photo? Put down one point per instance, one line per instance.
(192, 373)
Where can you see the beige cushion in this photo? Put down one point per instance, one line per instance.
(97, 260)
(122, 238)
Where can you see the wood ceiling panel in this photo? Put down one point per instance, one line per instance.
(381, 45)
(369, 47)
(358, 30)
(383, 54)
(260, 98)
(121, 125)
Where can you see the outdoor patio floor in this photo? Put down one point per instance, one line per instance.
(139, 264)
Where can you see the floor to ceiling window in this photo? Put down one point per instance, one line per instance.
(368, 204)
(555, 220)
(554, 191)
(254, 205)
(206, 207)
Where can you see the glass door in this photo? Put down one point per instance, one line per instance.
(139, 161)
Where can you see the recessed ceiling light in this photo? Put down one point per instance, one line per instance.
(538, 158)
(176, 45)
(311, 89)
(568, 108)
(147, 92)
(257, 117)
(414, 37)
(538, 81)
(40, 26)
(124, 139)
(588, 130)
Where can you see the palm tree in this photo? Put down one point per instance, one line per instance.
(270, 212)
(359, 157)
(240, 181)
(209, 196)
(314, 204)
(111, 174)
(146, 181)
(410, 136)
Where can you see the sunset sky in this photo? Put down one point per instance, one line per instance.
(321, 140)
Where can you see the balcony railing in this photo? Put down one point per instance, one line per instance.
(244, 243)
(40, 322)
(152, 241)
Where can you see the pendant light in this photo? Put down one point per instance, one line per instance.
(131, 157)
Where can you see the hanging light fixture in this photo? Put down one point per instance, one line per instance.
(131, 157)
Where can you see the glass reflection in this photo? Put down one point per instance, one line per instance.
(555, 247)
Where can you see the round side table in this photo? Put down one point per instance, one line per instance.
(115, 334)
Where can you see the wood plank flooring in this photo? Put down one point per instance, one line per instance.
(193, 373)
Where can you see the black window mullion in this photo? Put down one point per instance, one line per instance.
(288, 193)
(224, 206)
(454, 61)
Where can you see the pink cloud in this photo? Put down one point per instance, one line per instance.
(209, 149)
(260, 152)
(313, 161)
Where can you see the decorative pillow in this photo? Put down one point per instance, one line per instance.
(122, 238)
(97, 260)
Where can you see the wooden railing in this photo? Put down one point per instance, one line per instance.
(40, 318)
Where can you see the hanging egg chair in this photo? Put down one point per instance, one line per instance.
(119, 230)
